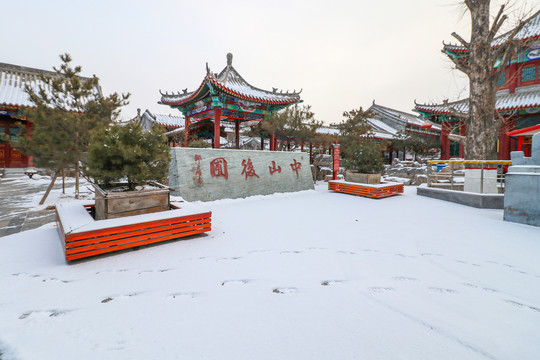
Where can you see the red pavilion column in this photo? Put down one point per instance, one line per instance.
(272, 142)
(445, 141)
(237, 133)
(217, 123)
(186, 132)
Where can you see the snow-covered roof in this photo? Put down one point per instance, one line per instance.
(229, 81)
(380, 125)
(524, 97)
(380, 135)
(14, 78)
(164, 120)
(396, 117)
(529, 31)
(327, 130)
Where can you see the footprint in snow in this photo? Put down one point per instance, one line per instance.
(478, 287)
(229, 258)
(184, 295)
(111, 298)
(290, 290)
(49, 313)
(430, 254)
(258, 251)
(347, 252)
(290, 252)
(406, 256)
(515, 303)
(442, 291)
(380, 289)
(331, 282)
(236, 282)
(153, 271)
(405, 278)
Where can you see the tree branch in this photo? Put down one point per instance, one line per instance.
(461, 40)
(497, 23)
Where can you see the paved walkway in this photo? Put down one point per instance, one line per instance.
(14, 193)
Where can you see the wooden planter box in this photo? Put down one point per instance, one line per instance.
(356, 177)
(111, 205)
(82, 236)
(367, 190)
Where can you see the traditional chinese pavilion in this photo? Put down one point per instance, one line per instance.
(13, 100)
(226, 97)
(518, 95)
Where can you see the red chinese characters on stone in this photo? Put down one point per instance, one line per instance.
(197, 170)
(274, 169)
(296, 166)
(249, 171)
(218, 167)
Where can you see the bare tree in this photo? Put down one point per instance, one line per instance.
(482, 122)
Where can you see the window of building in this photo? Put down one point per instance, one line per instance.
(502, 79)
(528, 74)
(14, 134)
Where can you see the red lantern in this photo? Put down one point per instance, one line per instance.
(426, 125)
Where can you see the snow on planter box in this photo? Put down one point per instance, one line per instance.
(82, 236)
(369, 190)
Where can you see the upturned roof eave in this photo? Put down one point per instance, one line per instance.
(252, 98)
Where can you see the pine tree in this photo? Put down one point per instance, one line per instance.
(360, 153)
(127, 152)
(66, 110)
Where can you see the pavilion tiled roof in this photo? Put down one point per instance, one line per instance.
(529, 31)
(523, 98)
(14, 78)
(165, 120)
(229, 81)
(400, 116)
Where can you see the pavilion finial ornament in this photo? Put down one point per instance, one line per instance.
(185, 91)
(229, 59)
(274, 90)
(207, 69)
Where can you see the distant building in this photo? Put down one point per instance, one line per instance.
(172, 125)
(13, 100)
(226, 98)
(518, 97)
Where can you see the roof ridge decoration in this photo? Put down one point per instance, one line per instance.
(229, 81)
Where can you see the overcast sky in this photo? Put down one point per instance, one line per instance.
(343, 54)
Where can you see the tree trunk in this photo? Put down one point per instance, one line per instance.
(482, 124)
(49, 188)
(77, 180)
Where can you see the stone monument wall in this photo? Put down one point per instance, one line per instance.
(522, 193)
(212, 174)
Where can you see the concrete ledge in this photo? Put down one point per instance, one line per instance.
(483, 201)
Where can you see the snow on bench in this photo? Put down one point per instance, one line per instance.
(376, 191)
(82, 236)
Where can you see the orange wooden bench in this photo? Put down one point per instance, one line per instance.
(373, 191)
(82, 236)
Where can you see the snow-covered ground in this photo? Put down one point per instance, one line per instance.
(308, 275)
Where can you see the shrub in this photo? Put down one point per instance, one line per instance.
(363, 156)
(119, 153)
